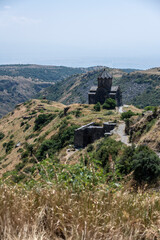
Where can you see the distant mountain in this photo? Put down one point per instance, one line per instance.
(19, 83)
(40, 73)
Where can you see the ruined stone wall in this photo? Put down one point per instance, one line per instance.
(108, 126)
(80, 136)
(89, 133)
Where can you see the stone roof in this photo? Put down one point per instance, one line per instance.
(93, 89)
(105, 75)
(92, 93)
(114, 88)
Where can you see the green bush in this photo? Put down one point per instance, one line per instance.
(26, 127)
(146, 165)
(127, 115)
(109, 104)
(77, 113)
(1, 135)
(64, 137)
(25, 154)
(9, 146)
(12, 136)
(42, 120)
(150, 108)
(107, 150)
(97, 107)
(125, 162)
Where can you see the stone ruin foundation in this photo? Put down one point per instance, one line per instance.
(89, 133)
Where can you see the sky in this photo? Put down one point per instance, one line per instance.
(81, 33)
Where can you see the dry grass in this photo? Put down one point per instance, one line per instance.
(44, 214)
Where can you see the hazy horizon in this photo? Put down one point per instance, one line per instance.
(117, 33)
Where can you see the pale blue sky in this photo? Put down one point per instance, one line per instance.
(115, 33)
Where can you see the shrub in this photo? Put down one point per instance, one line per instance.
(109, 104)
(90, 148)
(77, 113)
(22, 123)
(25, 154)
(9, 146)
(125, 162)
(107, 150)
(127, 115)
(42, 120)
(12, 136)
(146, 165)
(97, 107)
(4, 144)
(1, 135)
(150, 108)
(26, 127)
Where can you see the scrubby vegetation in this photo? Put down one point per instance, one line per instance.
(97, 107)
(54, 191)
(127, 115)
(109, 104)
(144, 163)
(63, 138)
(2, 135)
(42, 120)
(9, 146)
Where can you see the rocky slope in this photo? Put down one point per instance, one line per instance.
(146, 129)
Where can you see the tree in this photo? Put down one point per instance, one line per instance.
(109, 104)
(97, 107)
(146, 165)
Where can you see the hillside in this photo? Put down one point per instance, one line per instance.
(18, 128)
(75, 89)
(50, 190)
(140, 88)
(146, 129)
(19, 83)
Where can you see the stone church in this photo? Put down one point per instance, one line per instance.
(105, 90)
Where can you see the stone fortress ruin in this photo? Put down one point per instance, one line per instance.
(105, 90)
(89, 133)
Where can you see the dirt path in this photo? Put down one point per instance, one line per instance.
(120, 131)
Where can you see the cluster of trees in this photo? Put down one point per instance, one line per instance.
(109, 104)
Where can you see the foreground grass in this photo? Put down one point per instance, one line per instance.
(55, 213)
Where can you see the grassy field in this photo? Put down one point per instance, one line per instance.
(55, 213)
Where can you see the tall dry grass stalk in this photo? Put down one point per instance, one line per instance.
(55, 213)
